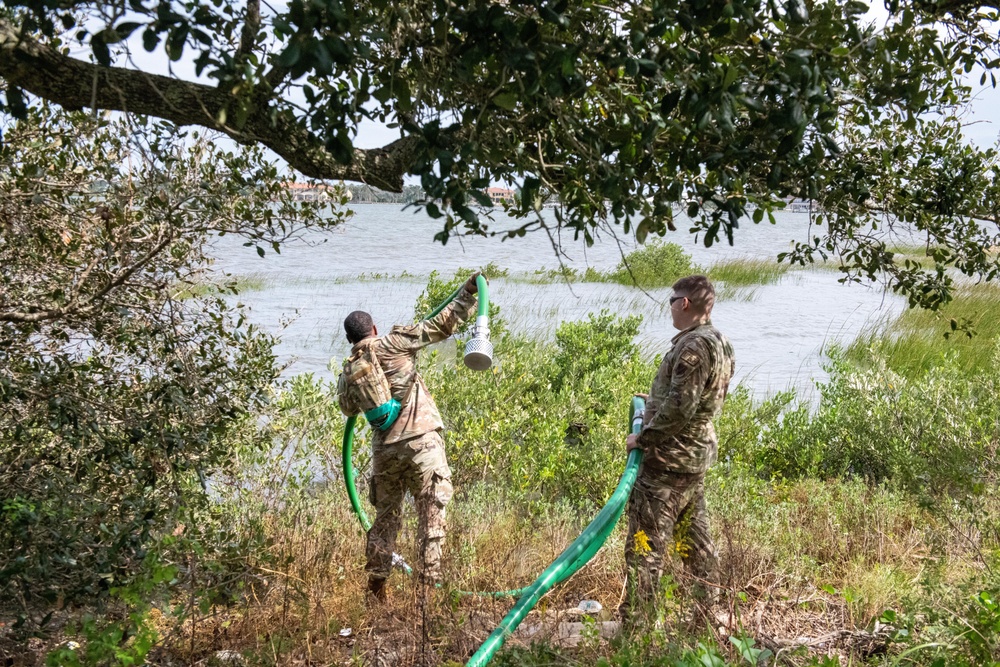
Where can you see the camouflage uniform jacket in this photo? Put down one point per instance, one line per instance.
(397, 354)
(687, 393)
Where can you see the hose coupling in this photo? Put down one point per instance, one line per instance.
(479, 349)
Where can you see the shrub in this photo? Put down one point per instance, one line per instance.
(117, 396)
(549, 420)
(586, 347)
(656, 264)
(935, 435)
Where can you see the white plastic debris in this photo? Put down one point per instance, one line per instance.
(589, 606)
(345, 632)
(229, 658)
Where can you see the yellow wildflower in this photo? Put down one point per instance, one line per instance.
(642, 546)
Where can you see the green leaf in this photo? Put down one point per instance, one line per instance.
(123, 30)
(150, 39)
(100, 48)
(290, 56)
(730, 78)
(505, 101)
(176, 42)
(642, 230)
(481, 197)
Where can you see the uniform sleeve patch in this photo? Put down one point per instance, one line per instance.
(690, 358)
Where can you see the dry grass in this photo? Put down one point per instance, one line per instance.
(805, 566)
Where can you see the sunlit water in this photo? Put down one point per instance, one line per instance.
(779, 331)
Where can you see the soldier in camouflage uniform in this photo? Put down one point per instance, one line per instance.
(679, 444)
(410, 455)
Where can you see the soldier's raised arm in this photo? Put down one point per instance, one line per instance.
(690, 374)
(434, 330)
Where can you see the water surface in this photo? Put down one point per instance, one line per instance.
(779, 331)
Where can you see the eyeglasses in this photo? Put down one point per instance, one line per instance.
(675, 298)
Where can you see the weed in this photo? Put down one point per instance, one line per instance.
(747, 272)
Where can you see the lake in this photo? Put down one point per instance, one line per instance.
(779, 331)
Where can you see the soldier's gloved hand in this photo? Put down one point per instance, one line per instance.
(630, 443)
(470, 284)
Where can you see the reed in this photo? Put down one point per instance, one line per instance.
(232, 284)
(919, 339)
(747, 271)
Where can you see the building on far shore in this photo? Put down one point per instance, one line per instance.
(499, 195)
(314, 191)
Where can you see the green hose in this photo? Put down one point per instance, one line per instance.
(574, 557)
(444, 303)
(483, 296)
(352, 487)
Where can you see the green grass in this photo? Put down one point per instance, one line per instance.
(745, 294)
(916, 340)
(561, 275)
(661, 264)
(251, 282)
(920, 253)
(747, 271)
(375, 276)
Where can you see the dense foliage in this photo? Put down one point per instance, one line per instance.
(117, 394)
(548, 421)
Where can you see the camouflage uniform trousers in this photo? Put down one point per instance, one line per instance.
(659, 502)
(417, 465)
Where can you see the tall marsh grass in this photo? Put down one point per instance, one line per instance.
(233, 284)
(919, 339)
(656, 264)
(747, 271)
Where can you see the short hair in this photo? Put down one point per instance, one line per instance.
(358, 326)
(698, 289)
